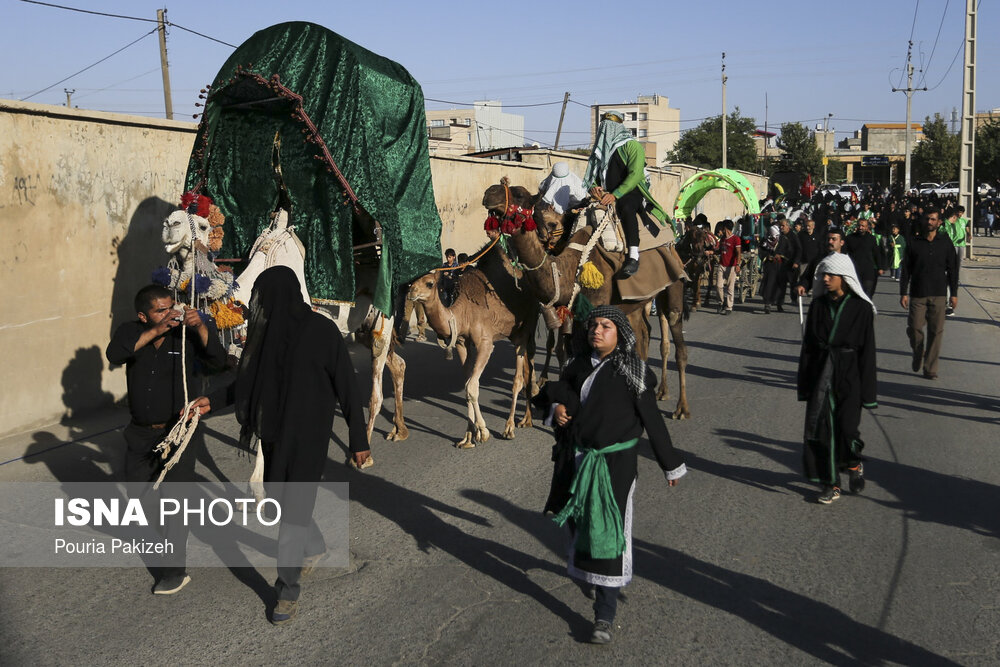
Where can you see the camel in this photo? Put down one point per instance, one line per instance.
(691, 248)
(479, 317)
(278, 245)
(551, 278)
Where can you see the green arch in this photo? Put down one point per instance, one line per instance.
(699, 185)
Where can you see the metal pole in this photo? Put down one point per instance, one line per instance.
(724, 152)
(909, 129)
(69, 95)
(826, 158)
(162, 29)
(562, 115)
(765, 133)
(967, 163)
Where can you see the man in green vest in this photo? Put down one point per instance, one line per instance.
(956, 227)
(615, 175)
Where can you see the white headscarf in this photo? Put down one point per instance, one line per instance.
(841, 265)
(562, 189)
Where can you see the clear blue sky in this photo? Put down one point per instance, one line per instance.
(809, 58)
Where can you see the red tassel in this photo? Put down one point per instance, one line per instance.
(508, 226)
(529, 225)
(492, 222)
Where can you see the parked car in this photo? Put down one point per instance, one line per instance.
(828, 189)
(926, 188)
(849, 190)
(949, 189)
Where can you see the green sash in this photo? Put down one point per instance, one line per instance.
(592, 504)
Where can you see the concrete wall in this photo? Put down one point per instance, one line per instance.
(82, 199)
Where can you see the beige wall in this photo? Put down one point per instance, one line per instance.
(82, 199)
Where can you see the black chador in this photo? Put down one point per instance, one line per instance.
(836, 377)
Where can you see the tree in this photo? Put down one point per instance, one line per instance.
(802, 155)
(936, 157)
(988, 152)
(701, 146)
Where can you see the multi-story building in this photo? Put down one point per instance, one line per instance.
(483, 127)
(651, 121)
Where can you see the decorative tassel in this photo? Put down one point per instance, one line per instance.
(492, 222)
(591, 277)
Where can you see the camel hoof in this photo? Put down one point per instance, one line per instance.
(482, 434)
(398, 434)
(369, 462)
(681, 414)
(508, 433)
(662, 395)
(524, 423)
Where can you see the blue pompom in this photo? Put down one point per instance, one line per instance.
(202, 283)
(161, 276)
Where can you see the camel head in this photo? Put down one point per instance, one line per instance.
(510, 208)
(424, 288)
(177, 231)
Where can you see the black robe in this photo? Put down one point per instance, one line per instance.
(612, 414)
(837, 377)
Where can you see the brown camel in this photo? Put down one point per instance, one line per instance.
(692, 249)
(479, 317)
(556, 286)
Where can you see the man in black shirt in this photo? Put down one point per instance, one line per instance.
(929, 269)
(151, 350)
(863, 249)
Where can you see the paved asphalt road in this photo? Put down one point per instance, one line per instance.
(452, 562)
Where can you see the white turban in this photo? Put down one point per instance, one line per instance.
(839, 264)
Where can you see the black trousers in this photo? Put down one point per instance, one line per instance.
(143, 466)
(295, 544)
(629, 208)
(605, 603)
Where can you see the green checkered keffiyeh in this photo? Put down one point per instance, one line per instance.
(610, 136)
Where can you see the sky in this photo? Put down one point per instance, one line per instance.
(786, 61)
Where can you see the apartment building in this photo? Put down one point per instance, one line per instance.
(651, 121)
(483, 127)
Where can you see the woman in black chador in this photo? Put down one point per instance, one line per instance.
(836, 376)
(600, 407)
(294, 371)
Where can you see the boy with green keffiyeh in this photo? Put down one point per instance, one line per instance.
(615, 175)
(600, 407)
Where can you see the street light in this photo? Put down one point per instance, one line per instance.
(826, 159)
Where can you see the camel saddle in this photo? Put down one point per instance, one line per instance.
(659, 263)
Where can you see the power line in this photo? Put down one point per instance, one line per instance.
(87, 11)
(923, 73)
(957, 51)
(506, 106)
(88, 66)
(129, 18)
(121, 90)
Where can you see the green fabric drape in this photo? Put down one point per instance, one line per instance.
(599, 529)
(368, 111)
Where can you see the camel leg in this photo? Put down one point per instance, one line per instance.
(662, 309)
(527, 367)
(476, 431)
(380, 353)
(676, 321)
(640, 327)
(519, 380)
(397, 368)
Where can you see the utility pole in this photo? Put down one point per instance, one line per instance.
(69, 94)
(724, 163)
(162, 29)
(967, 159)
(826, 135)
(909, 90)
(562, 115)
(765, 133)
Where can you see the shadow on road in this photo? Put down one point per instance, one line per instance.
(811, 626)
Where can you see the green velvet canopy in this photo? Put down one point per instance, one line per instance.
(301, 116)
(699, 185)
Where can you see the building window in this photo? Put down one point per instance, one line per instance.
(632, 130)
(631, 115)
(642, 116)
(437, 122)
(642, 133)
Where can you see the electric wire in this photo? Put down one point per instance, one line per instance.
(923, 73)
(89, 66)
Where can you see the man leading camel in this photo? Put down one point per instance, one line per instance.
(615, 176)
